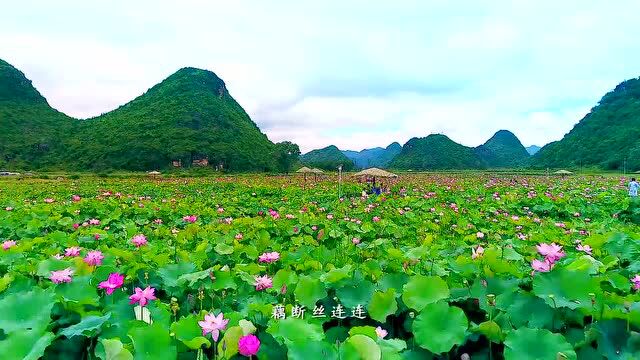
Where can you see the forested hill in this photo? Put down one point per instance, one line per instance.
(605, 137)
(190, 116)
(375, 157)
(503, 150)
(436, 152)
(328, 158)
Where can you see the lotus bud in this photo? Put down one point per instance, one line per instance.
(491, 299)
(146, 276)
(412, 315)
(561, 356)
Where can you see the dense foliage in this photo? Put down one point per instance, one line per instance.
(444, 267)
(375, 157)
(605, 137)
(328, 158)
(188, 116)
(436, 152)
(503, 150)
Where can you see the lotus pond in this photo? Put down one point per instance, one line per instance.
(442, 267)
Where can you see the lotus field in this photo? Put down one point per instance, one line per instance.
(442, 266)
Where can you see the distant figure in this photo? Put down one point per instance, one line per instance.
(633, 187)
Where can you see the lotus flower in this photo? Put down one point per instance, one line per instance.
(585, 248)
(8, 244)
(480, 235)
(94, 258)
(541, 266)
(94, 222)
(213, 324)
(113, 282)
(636, 282)
(72, 251)
(381, 332)
(355, 241)
(76, 198)
(477, 252)
(139, 240)
(269, 257)
(190, 218)
(551, 252)
(142, 296)
(61, 276)
(248, 345)
(263, 282)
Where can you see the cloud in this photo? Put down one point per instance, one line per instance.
(355, 74)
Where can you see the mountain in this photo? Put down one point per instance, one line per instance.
(503, 150)
(607, 137)
(436, 152)
(190, 116)
(327, 158)
(376, 157)
(533, 149)
(31, 131)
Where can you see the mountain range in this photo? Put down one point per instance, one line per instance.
(190, 119)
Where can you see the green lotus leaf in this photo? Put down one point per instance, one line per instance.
(86, 326)
(112, 349)
(360, 347)
(382, 305)
(304, 350)
(354, 294)
(369, 331)
(189, 332)
(536, 344)
(47, 266)
(292, 330)
(421, 291)
(335, 275)
(309, 290)
(25, 344)
(491, 330)
(79, 291)
(26, 310)
(228, 344)
(152, 342)
(448, 322)
(562, 288)
(171, 273)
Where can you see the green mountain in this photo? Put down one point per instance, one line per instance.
(30, 129)
(188, 116)
(376, 157)
(605, 137)
(327, 158)
(503, 150)
(436, 152)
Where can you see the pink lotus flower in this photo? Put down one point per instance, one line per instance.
(541, 266)
(329, 216)
(72, 251)
(289, 216)
(142, 296)
(76, 198)
(248, 345)
(269, 257)
(480, 235)
(8, 208)
(94, 222)
(8, 244)
(49, 200)
(636, 282)
(560, 225)
(76, 226)
(190, 218)
(477, 252)
(61, 276)
(263, 282)
(139, 240)
(94, 258)
(157, 221)
(58, 257)
(585, 248)
(239, 236)
(381, 332)
(220, 210)
(376, 219)
(113, 282)
(96, 236)
(213, 324)
(355, 241)
(314, 228)
(551, 252)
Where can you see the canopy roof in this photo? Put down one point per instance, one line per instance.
(316, 171)
(375, 172)
(303, 170)
(154, 173)
(563, 172)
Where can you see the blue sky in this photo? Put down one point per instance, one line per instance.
(351, 73)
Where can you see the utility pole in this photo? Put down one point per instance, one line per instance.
(339, 181)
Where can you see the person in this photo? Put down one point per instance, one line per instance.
(633, 187)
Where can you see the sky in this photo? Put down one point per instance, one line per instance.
(355, 74)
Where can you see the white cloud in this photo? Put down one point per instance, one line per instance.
(356, 74)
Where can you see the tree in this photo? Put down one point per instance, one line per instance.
(286, 154)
